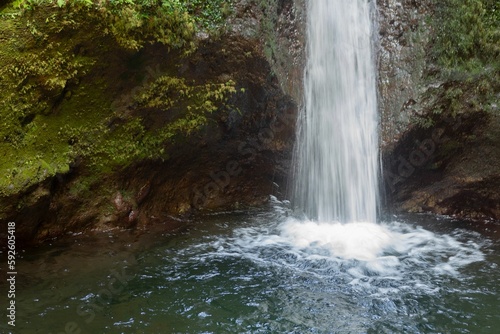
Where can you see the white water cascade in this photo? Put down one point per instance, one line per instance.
(337, 151)
(337, 160)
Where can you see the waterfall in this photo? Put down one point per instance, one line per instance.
(337, 141)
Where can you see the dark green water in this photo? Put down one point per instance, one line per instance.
(245, 273)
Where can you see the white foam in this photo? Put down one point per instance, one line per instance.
(360, 241)
(362, 253)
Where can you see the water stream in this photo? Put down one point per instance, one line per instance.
(337, 147)
(337, 141)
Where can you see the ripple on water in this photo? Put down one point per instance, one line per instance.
(390, 256)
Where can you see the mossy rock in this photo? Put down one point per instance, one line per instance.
(73, 87)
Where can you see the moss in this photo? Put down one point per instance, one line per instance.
(468, 34)
(209, 14)
(64, 66)
(268, 28)
(465, 48)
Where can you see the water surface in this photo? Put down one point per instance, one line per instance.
(253, 273)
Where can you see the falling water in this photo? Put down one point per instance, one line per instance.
(273, 272)
(337, 141)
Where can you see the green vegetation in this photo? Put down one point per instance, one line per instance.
(136, 22)
(188, 105)
(210, 14)
(466, 49)
(70, 88)
(468, 33)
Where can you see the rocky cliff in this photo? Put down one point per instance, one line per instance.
(439, 86)
(117, 122)
(115, 147)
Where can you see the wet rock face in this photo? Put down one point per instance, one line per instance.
(450, 166)
(289, 57)
(403, 38)
(238, 160)
(281, 25)
(241, 158)
(449, 169)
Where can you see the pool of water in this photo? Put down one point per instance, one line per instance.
(266, 272)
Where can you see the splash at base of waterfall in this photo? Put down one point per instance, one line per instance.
(360, 241)
(358, 249)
